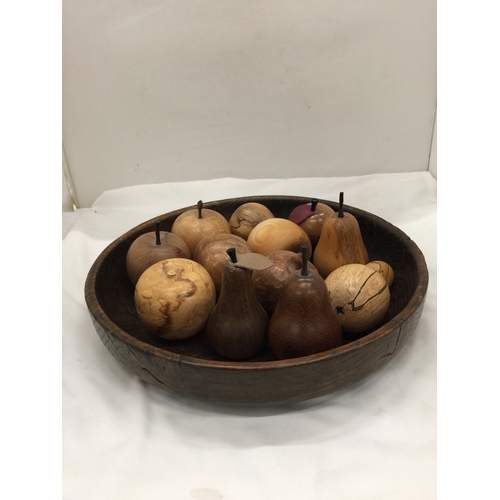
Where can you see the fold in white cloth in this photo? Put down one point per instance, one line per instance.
(125, 439)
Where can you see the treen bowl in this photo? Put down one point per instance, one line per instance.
(192, 369)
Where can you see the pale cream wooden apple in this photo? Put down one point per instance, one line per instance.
(384, 269)
(359, 295)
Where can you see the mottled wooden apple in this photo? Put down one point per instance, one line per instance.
(384, 269)
(359, 295)
(175, 297)
(247, 216)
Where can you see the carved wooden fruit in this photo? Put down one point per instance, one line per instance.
(340, 243)
(174, 298)
(269, 283)
(237, 327)
(304, 321)
(247, 216)
(311, 217)
(359, 295)
(384, 269)
(211, 253)
(196, 223)
(150, 248)
(278, 234)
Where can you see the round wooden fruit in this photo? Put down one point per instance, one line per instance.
(174, 298)
(275, 234)
(150, 248)
(246, 217)
(359, 295)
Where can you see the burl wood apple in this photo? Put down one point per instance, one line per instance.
(247, 216)
(175, 297)
(359, 295)
(384, 269)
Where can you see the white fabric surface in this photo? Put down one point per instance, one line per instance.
(124, 439)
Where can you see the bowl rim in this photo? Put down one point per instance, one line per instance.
(113, 329)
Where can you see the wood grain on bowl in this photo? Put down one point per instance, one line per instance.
(191, 368)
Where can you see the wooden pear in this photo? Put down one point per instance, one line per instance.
(340, 242)
(237, 327)
(304, 321)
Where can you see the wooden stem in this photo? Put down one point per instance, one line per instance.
(341, 205)
(305, 270)
(157, 231)
(314, 203)
(232, 254)
(200, 208)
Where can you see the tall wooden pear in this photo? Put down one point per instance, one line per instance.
(237, 327)
(340, 242)
(304, 321)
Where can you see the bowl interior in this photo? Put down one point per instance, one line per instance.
(115, 293)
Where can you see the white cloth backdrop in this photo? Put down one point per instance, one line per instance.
(124, 439)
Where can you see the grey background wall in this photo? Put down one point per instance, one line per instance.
(174, 90)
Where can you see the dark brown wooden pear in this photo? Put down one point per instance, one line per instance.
(304, 321)
(237, 327)
(340, 242)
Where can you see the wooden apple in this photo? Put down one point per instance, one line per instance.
(211, 253)
(310, 217)
(152, 247)
(278, 234)
(195, 224)
(384, 269)
(174, 298)
(360, 296)
(247, 216)
(269, 282)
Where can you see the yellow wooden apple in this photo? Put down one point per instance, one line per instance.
(275, 234)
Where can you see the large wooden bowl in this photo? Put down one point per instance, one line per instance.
(191, 368)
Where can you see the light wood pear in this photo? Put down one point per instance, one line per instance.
(340, 242)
